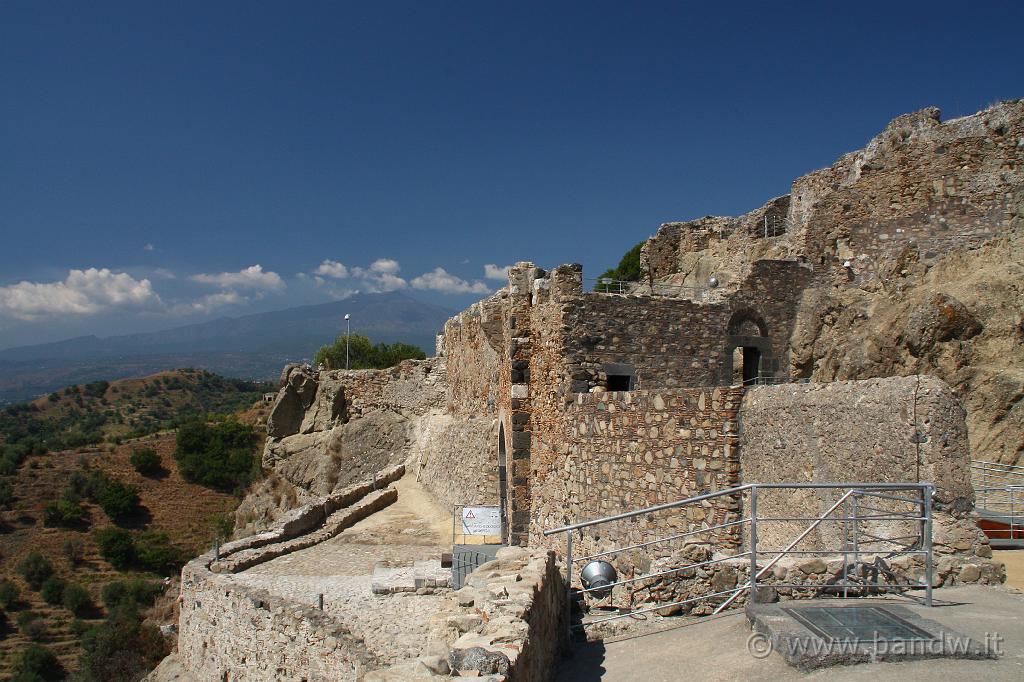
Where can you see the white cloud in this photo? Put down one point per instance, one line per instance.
(149, 247)
(163, 273)
(331, 268)
(441, 280)
(82, 292)
(381, 276)
(211, 302)
(497, 272)
(385, 266)
(252, 277)
(382, 283)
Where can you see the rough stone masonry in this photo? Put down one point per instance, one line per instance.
(559, 404)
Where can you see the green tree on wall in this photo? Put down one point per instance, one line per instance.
(628, 269)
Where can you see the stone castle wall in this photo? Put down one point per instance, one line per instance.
(411, 387)
(471, 343)
(613, 452)
(897, 430)
(228, 631)
(456, 459)
(921, 183)
(935, 185)
(668, 342)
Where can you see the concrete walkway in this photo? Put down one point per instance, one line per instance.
(715, 647)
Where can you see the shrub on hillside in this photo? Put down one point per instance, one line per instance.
(146, 461)
(63, 512)
(116, 547)
(35, 569)
(97, 389)
(6, 494)
(147, 551)
(221, 456)
(9, 594)
(32, 626)
(77, 600)
(121, 649)
(37, 663)
(119, 500)
(74, 551)
(154, 552)
(52, 591)
(135, 592)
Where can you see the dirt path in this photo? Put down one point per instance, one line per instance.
(1014, 560)
(393, 626)
(412, 529)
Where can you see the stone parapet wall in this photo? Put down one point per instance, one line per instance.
(506, 625)
(229, 631)
(412, 387)
(313, 515)
(335, 523)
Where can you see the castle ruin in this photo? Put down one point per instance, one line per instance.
(558, 402)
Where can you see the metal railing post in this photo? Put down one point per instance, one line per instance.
(856, 533)
(753, 545)
(568, 582)
(926, 538)
(1013, 514)
(846, 548)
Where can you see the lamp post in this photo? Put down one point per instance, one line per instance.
(348, 332)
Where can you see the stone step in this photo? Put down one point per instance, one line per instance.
(336, 522)
(422, 575)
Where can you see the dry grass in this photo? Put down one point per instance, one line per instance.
(184, 511)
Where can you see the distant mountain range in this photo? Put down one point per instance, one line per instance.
(252, 346)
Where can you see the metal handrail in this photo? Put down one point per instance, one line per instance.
(999, 493)
(981, 463)
(734, 491)
(620, 287)
(922, 544)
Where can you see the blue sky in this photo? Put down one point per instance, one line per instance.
(162, 163)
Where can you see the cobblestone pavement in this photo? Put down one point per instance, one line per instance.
(394, 626)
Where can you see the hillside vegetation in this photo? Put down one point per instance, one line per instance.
(100, 411)
(94, 535)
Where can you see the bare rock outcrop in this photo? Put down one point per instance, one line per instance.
(328, 429)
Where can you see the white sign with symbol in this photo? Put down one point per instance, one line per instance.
(481, 521)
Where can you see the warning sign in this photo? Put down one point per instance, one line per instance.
(481, 521)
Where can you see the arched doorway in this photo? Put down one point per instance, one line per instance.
(503, 484)
(748, 349)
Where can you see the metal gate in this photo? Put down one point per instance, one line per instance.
(467, 558)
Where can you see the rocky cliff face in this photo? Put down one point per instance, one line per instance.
(918, 258)
(960, 318)
(328, 430)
